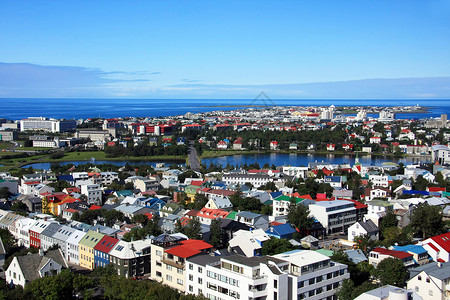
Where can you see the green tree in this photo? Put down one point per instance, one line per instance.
(216, 234)
(5, 193)
(365, 243)
(345, 290)
(275, 246)
(389, 220)
(193, 229)
(427, 220)
(200, 201)
(298, 216)
(52, 287)
(391, 271)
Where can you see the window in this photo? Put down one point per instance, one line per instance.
(428, 279)
(169, 267)
(191, 289)
(300, 284)
(191, 277)
(191, 267)
(200, 280)
(417, 289)
(179, 271)
(311, 281)
(168, 277)
(275, 284)
(158, 274)
(419, 277)
(200, 269)
(180, 282)
(430, 292)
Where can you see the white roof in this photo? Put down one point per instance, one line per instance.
(302, 257)
(76, 237)
(40, 226)
(129, 250)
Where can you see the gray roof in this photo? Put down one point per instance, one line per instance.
(2, 248)
(204, 259)
(369, 226)
(432, 269)
(248, 215)
(383, 292)
(356, 255)
(51, 229)
(31, 263)
(253, 261)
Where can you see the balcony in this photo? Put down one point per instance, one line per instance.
(173, 263)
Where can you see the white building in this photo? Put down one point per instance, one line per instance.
(441, 154)
(291, 275)
(23, 231)
(335, 216)
(431, 281)
(363, 228)
(73, 252)
(48, 125)
(93, 192)
(249, 242)
(256, 180)
(297, 172)
(379, 180)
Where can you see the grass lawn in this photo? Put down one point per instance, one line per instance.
(5, 145)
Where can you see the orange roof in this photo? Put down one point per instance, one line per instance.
(212, 213)
(95, 207)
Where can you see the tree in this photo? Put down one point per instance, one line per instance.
(427, 220)
(298, 216)
(365, 243)
(216, 234)
(193, 229)
(5, 193)
(275, 246)
(389, 220)
(346, 289)
(52, 287)
(111, 216)
(200, 201)
(391, 271)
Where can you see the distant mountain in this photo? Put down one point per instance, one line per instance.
(395, 88)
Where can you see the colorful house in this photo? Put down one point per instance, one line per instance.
(102, 249)
(86, 248)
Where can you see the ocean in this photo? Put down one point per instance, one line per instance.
(16, 109)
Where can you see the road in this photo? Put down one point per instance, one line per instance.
(193, 158)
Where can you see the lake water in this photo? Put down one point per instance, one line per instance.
(277, 159)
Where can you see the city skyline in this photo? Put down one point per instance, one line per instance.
(225, 49)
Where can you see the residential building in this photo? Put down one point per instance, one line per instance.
(169, 254)
(438, 247)
(23, 231)
(86, 249)
(35, 233)
(72, 246)
(255, 180)
(378, 254)
(420, 255)
(363, 228)
(431, 281)
(93, 192)
(131, 259)
(389, 292)
(249, 243)
(102, 249)
(25, 269)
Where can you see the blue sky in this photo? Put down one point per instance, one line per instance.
(221, 49)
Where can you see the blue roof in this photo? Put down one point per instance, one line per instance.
(416, 249)
(276, 194)
(413, 192)
(281, 230)
(65, 177)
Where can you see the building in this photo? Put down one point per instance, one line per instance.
(290, 275)
(255, 180)
(379, 254)
(438, 247)
(440, 154)
(35, 233)
(25, 269)
(169, 254)
(8, 135)
(48, 125)
(93, 192)
(72, 246)
(431, 281)
(131, 259)
(102, 249)
(389, 292)
(23, 227)
(335, 216)
(86, 248)
(249, 243)
(363, 228)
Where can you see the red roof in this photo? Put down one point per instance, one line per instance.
(393, 253)
(443, 240)
(433, 247)
(212, 213)
(189, 248)
(436, 189)
(197, 182)
(358, 205)
(95, 207)
(32, 182)
(149, 216)
(71, 210)
(106, 244)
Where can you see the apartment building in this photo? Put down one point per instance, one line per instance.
(335, 216)
(431, 281)
(131, 259)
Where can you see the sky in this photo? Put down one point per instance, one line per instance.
(225, 49)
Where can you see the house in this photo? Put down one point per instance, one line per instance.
(102, 249)
(206, 215)
(72, 246)
(273, 145)
(378, 254)
(27, 268)
(253, 220)
(375, 140)
(438, 247)
(237, 145)
(216, 202)
(430, 281)
(347, 147)
(86, 247)
(335, 181)
(249, 243)
(355, 255)
(222, 145)
(378, 192)
(363, 228)
(331, 147)
(283, 231)
(2, 253)
(420, 255)
(35, 233)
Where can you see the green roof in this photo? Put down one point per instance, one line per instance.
(326, 252)
(124, 193)
(380, 203)
(287, 198)
(231, 215)
(91, 238)
(268, 202)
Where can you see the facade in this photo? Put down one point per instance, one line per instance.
(93, 192)
(431, 281)
(8, 135)
(48, 125)
(23, 227)
(35, 233)
(335, 216)
(86, 248)
(72, 246)
(169, 254)
(363, 228)
(249, 242)
(256, 180)
(25, 269)
(131, 259)
(441, 154)
(102, 249)
(438, 247)
(291, 275)
(379, 254)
